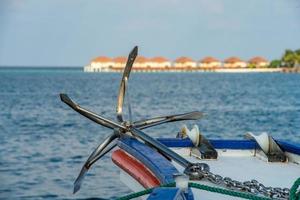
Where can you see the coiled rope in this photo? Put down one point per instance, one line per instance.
(294, 192)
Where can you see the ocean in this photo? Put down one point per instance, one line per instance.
(43, 143)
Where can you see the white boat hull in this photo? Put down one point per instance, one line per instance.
(238, 164)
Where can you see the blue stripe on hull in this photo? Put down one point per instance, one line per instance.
(289, 146)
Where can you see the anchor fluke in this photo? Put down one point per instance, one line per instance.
(65, 98)
(79, 179)
(89, 114)
(98, 153)
(166, 119)
(123, 84)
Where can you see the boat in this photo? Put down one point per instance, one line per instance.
(190, 166)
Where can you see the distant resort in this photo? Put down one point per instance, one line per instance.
(181, 64)
(186, 64)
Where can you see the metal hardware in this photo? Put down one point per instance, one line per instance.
(122, 90)
(206, 149)
(269, 146)
(202, 147)
(252, 186)
(142, 124)
(196, 171)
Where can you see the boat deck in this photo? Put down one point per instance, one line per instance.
(238, 163)
(245, 165)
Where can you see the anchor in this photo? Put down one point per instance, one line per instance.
(133, 129)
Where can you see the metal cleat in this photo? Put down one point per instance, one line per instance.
(269, 146)
(203, 147)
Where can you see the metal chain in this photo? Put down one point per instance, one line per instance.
(252, 186)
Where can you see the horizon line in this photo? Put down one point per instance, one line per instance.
(40, 66)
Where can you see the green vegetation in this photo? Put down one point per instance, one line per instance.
(289, 59)
(275, 63)
(251, 65)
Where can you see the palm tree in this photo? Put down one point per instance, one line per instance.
(289, 58)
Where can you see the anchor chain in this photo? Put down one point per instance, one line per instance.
(252, 186)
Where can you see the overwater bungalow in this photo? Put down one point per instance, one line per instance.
(184, 63)
(209, 63)
(258, 62)
(119, 63)
(100, 64)
(141, 63)
(234, 62)
(160, 63)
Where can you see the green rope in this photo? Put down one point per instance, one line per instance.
(198, 186)
(294, 192)
(135, 195)
(227, 192)
(144, 192)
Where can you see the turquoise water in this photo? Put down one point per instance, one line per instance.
(43, 143)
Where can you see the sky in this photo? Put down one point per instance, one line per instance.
(72, 32)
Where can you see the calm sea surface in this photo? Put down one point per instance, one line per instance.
(43, 143)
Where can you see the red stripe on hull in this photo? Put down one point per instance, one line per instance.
(134, 168)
